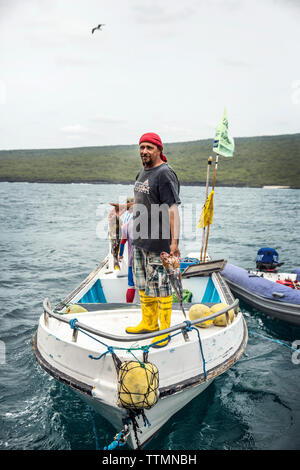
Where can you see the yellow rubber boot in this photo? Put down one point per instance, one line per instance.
(149, 321)
(164, 311)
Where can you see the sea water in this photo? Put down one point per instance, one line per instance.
(52, 237)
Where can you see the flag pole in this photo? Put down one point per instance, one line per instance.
(209, 162)
(213, 189)
(223, 145)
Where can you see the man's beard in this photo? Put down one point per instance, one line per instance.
(147, 163)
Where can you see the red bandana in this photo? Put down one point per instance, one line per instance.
(153, 139)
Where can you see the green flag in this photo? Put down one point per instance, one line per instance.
(223, 144)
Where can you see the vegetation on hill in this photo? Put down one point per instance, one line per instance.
(258, 161)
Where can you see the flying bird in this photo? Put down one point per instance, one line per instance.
(97, 27)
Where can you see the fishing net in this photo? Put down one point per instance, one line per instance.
(138, 385)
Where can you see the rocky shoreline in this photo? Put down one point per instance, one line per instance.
(182, 183)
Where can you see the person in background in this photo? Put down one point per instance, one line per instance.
(119, 215)
(127, 237)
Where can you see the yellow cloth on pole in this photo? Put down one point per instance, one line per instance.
(206, 216)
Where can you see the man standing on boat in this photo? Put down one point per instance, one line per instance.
(155, 229)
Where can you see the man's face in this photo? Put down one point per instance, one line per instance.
(150, 154)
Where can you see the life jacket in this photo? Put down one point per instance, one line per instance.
(289, 283)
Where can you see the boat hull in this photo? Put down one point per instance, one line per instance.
(283, 311)
(183, 375)
(157, 416)
(81, 357)
(261, 291)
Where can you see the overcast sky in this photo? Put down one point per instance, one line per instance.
(166, 66)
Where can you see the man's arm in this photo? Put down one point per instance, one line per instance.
(175, 229)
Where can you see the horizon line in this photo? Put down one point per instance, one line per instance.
(131, 145)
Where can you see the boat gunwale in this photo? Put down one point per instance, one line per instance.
(181, 326)
(164, 392)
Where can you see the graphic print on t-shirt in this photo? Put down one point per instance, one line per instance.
(142, 187)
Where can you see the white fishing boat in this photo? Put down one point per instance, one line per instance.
(84, 350)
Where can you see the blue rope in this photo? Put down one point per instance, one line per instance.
(72, 323)
(144, 348)
(109, 350)
(116, 443)
(189, 328)
(273, 340)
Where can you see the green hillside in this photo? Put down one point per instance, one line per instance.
(258, 161)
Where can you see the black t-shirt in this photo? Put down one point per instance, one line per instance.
(155, 191)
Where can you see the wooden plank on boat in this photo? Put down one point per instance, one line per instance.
(203, 269)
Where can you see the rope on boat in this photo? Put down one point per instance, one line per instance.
(121, 437)
(146, 348)
(119, 440)
(189, 328)
(273, 340)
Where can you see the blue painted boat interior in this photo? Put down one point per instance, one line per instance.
(94, 295)
(211, 294)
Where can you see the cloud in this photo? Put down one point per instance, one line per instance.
(287, 3)
(79, 130)
(57, 32)
(156, 14)
(156, 62)
(7, 8)
(177, 133)
(234, 63)
(107, 119)
(65, 61)
(3, 92)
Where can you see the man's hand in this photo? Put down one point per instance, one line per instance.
(174, 250)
